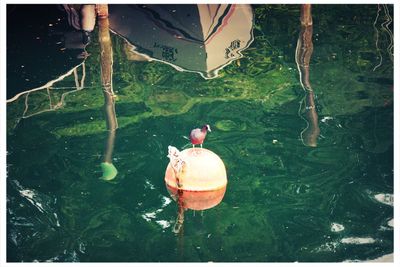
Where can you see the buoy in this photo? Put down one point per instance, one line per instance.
(195, 177)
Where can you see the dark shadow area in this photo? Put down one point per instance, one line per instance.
(36, 46)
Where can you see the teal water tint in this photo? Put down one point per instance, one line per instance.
(284, 202)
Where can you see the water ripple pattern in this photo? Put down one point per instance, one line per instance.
(284, 201)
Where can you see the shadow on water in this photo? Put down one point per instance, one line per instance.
(318, 189)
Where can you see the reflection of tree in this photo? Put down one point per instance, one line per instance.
(303, 55)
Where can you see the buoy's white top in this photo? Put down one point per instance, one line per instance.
(198, 169)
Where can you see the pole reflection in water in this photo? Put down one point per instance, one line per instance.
(106, 57)
(192, 200)
(304, 51)
(178, 227)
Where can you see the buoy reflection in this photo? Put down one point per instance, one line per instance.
(194, 200)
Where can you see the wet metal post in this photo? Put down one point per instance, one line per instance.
(304, 51)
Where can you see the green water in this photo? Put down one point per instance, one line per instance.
(284, 202)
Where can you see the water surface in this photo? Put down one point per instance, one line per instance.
(284, 202)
